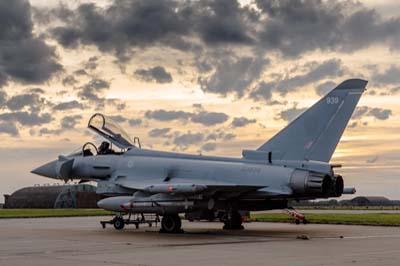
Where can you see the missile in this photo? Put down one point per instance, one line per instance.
(175, 188)
(150, 204)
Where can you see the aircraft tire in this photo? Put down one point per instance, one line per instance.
(171, 223)
(119, 223)
(234, 223)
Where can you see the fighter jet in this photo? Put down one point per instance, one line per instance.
(292, 165)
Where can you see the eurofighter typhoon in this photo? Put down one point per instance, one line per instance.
(292, 165)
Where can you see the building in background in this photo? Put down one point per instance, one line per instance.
(55, 196)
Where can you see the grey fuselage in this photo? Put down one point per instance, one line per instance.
(248, 184)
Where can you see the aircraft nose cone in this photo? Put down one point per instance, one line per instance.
(47, 170)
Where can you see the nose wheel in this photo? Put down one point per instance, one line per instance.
(171, 224)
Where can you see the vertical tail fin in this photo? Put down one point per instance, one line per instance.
(315, 134)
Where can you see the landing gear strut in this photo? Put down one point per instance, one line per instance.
(233, 221)
(171, 223)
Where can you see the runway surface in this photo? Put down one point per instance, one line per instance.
(82, 241)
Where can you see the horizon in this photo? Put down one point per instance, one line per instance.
(210, 77)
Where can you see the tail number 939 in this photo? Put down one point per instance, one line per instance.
(332, 100)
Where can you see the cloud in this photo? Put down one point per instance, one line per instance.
(200, 117)
(324, 88)
(92, 91)
(209, 118)
(135, 121)
(183, 141)
(24, 57)
(68, 106)
(314, 71)
(3, 97)
(32, 100)
(9, 127)
(242, 121)
(124, 24)
(209, 146)
(69, 81)
(390, 75)
(159, 132)
(233, 75)
(118, 118)
(220, 135)
(163, 115)
(157, 74)
(378, 113)
(296, 27)
(26, 119)
(69, 122)
(291, 113)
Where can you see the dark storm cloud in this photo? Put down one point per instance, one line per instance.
(23, 56)
(294, 27)
(9, 127)
(314, 72)
(290, 27)
(159, 132)
(124, 24)
(378, 113)
(209, 118)
(26, 118)
(233, 75)
(223, 21)
(156, 74)
(68, 106)
(242, 121)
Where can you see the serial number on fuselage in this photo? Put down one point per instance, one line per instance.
(251, 169)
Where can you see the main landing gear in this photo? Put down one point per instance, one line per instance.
(233, 221)
(171, 223)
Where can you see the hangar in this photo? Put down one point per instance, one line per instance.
(53, 196)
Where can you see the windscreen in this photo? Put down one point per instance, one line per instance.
(110, 130)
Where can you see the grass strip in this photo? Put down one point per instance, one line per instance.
(387, 219)
(36, 213)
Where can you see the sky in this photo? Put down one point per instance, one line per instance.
(211, 77)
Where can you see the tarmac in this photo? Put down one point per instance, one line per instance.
(82, 241)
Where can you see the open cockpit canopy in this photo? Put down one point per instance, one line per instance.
(110, 130)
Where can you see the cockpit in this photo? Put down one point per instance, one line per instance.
(117, 141)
